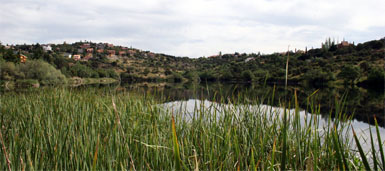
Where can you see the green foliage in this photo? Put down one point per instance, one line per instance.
(318, 77)
(349, 73)
(376, 75)
(10, 56)
(226, 75)
(146, 71)
(81, 70)
(42, 71)
(112, 73)
(191, 76)
(247, 75)
(175, 77)
(27, 83)
(207, 76)
(32, 69)
(9, 71)
(105, 130)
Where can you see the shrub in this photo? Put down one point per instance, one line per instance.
(175, 77)
(376, 75)
(349, 73)
(42, 71)
(8, 71)
(247, 75)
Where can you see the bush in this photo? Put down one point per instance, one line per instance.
(226, 76)
(80, 70)
(376, 75)
(112, 74)
(42, 71)
(27, 83)
(247, 75)
(9, 71)
(349, 73)
(191, 75)
(207, 76)
(175, 77)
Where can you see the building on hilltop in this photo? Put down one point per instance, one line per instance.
(343, 44)
(47, 48)
(90, 50)
(85, 46)
(122, 53)
(77, 57)
(23, 58)
(111, 53)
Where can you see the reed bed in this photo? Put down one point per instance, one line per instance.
(96, 129)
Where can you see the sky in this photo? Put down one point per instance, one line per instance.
(193, 28)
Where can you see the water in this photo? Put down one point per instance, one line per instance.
(363, 104)
(188, 110)
(184, 100)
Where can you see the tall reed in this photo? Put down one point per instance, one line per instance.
(98, 129)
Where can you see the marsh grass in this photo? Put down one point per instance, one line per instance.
(99, 129)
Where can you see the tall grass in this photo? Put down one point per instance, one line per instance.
(70, 129)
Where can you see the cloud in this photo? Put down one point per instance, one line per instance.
(193, 28)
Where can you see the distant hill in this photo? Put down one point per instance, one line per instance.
(334, 63)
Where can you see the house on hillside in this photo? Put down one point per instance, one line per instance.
(80, 50)
(77, 57)
(100, 50)
(47, 48)
(90, 50)
(131, 52)
(151, 55)
(100, 46)
(111, 53)
(85, 46)
(343, 44)
(249, 59)
(23, 58)
(122, 53)
(110, 45)
(67, 55)
(87, 57)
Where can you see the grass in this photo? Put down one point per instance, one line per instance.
(68, 129)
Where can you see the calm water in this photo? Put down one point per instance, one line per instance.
(363, 104)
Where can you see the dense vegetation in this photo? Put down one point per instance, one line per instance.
(334, 63)
(101, 129)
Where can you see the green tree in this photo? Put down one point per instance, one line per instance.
(349, 73)
(10, 56)
(376, 75)
(247, 75)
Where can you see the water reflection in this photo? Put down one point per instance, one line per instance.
(191, 109)
(364, 104)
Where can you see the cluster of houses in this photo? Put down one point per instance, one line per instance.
(86, 51)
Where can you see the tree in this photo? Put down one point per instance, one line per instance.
(349, 73)
(247, 75)
(376, 75)
(10, 56)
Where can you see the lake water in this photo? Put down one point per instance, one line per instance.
(185, 100)
(363, 104)
(188, 110)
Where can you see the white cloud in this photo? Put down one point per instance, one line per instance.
(193, 27)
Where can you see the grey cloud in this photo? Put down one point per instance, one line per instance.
(192, 27)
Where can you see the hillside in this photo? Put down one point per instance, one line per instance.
(334, 63)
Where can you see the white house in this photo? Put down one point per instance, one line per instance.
(47, 48)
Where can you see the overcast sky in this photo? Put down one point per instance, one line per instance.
(193, 28)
